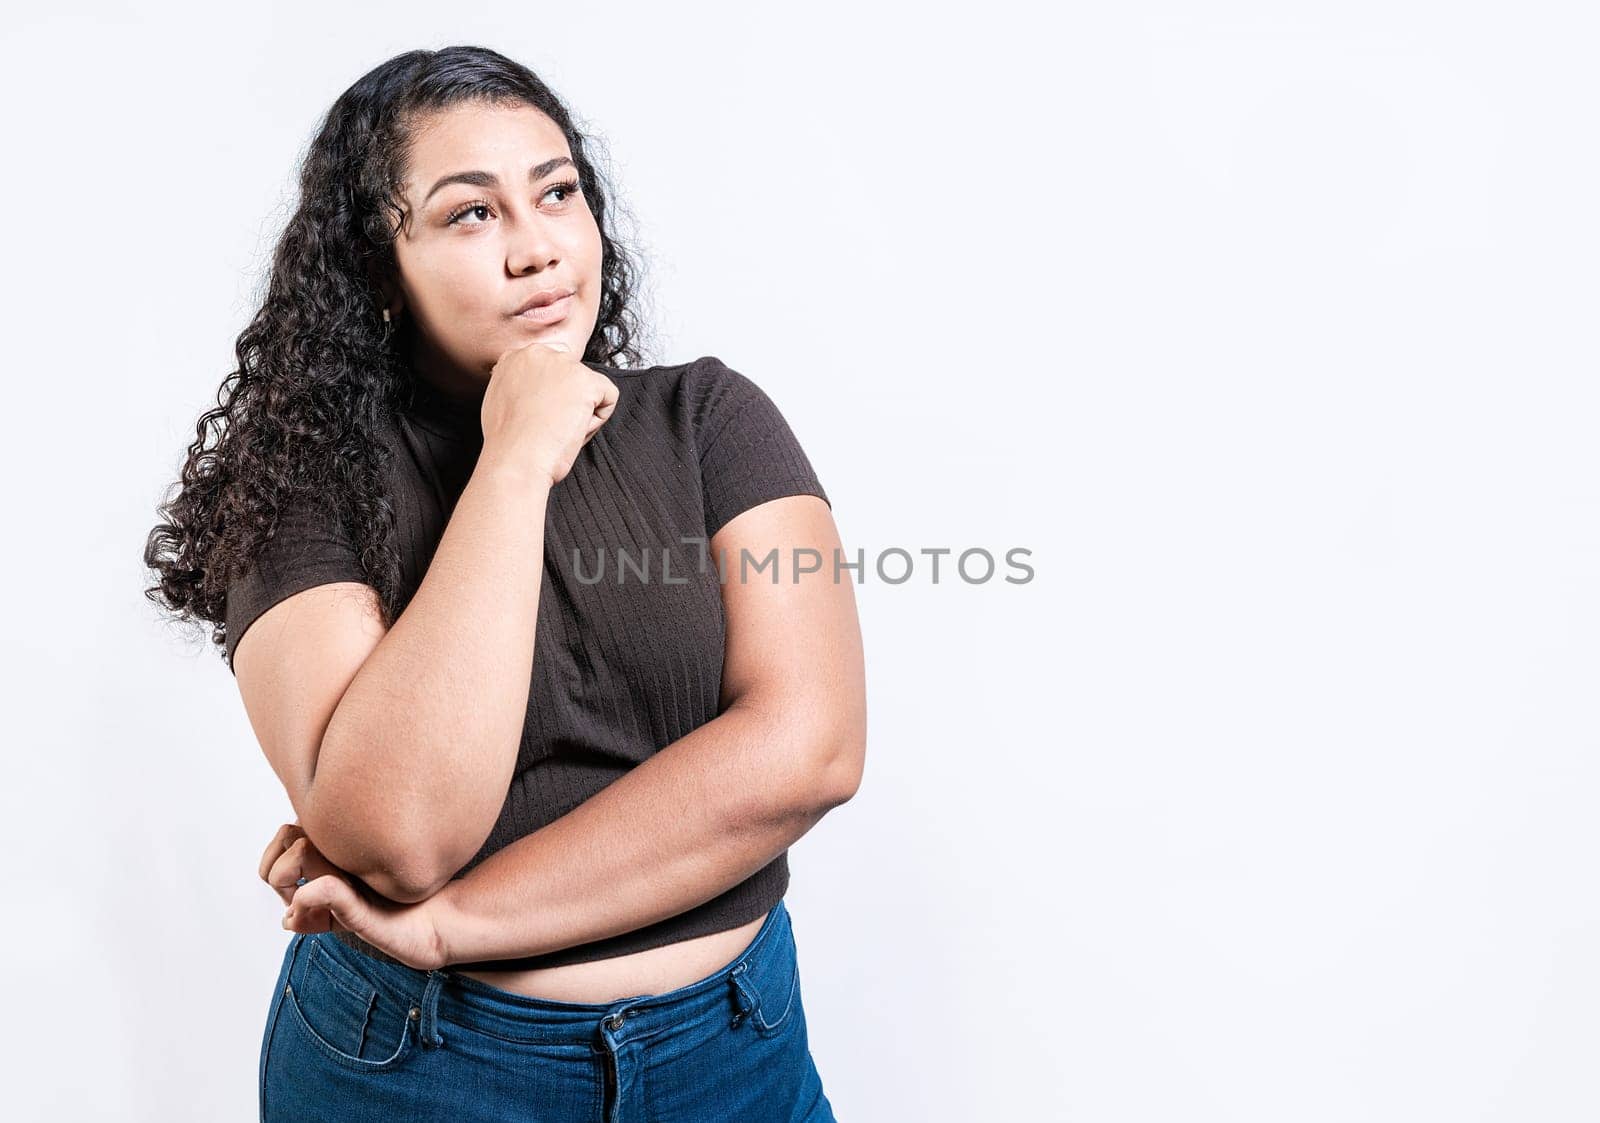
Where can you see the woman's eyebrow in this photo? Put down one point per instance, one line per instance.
(489, 179)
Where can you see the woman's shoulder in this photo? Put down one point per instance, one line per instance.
(700, 387)
(691, 371)
(690, 393)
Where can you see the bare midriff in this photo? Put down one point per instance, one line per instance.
(652, 971)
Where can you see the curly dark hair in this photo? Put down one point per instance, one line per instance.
(319, 376)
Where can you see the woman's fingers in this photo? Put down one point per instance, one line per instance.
(292, 860)
(324, 902)
(312, 909)
(300, 859)
(300, 863)
(285, 835)
(293, 864)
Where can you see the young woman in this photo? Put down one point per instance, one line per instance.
(545, 644)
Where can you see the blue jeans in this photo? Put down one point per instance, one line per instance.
(353, 1039)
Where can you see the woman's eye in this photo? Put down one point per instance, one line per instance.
(468, 209)
(567, 189)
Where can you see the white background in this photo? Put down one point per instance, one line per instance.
(1268, 328)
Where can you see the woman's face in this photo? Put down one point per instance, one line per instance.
(494, 216)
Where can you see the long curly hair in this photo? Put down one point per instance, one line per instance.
(319, 374)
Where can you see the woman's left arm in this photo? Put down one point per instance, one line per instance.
(712, 808)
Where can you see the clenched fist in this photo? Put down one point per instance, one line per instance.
(541, 407)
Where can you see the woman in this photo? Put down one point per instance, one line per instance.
(544, 644)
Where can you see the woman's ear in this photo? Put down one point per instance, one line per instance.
(390, 298)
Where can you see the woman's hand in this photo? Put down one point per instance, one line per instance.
(330, 898)
(407, 932)
(542, 405)
(291, 856)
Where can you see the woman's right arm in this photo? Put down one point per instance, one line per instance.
(396, 747)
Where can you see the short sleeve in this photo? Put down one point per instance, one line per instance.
(748, 453)
(308, 547)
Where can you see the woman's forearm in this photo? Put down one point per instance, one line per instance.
(692, 821)
(417, 757)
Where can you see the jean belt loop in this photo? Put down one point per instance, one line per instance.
(428, 1009)
(743, 999)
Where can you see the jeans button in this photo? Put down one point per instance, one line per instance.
(413, 1013)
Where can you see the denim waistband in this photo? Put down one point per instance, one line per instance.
(445, 995)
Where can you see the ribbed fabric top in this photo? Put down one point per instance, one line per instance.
(624, 665)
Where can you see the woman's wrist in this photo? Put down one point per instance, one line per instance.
(524, 469)
(463, 930)
(444, 919)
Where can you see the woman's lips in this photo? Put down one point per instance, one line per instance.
(547, 313)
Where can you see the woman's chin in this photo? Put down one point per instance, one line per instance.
(558, 332)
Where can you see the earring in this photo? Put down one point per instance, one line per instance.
(387, 324)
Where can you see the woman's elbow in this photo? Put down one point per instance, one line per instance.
(843, 770)
(416, 873)
(398, 868)
(836, 777)
(399, 887)
(400, 875)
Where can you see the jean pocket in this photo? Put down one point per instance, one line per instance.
(770, 982)
(345, 1017)
(775, 1006)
